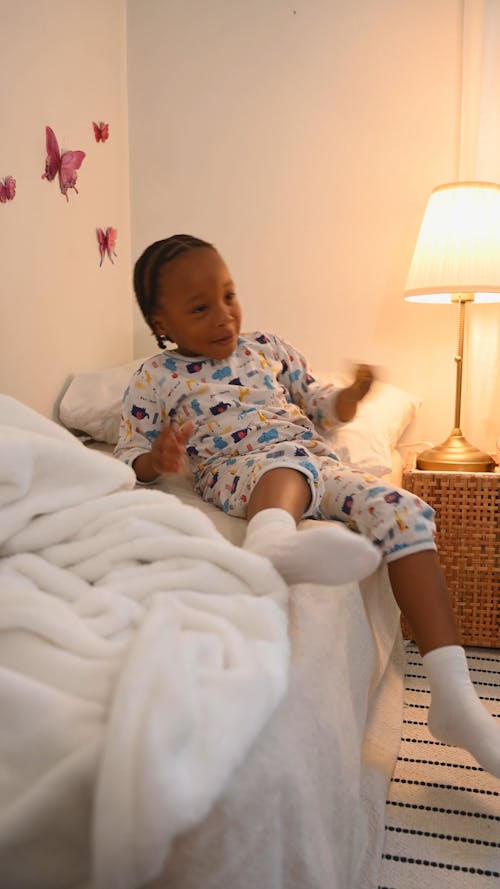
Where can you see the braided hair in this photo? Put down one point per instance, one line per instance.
(147, 272)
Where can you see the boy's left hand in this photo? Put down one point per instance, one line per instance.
(363, 379)
(348, 398)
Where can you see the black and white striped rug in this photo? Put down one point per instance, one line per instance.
(443, 811)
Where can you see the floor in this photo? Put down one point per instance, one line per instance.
(443, 810)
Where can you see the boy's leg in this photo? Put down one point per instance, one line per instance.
(326, 554)
(456, 715)
(398, 520)
(420, 590)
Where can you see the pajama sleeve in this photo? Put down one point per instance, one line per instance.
(315, 398)
(142, 417)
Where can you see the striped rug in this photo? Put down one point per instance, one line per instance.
(443, 811)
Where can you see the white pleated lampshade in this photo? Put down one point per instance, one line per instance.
(458, 246)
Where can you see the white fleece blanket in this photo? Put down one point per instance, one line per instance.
(140, 656)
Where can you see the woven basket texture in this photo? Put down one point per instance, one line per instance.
(467, 509)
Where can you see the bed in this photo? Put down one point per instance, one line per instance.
(173, 715)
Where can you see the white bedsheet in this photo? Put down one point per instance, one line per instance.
(141, 654)
(306, 808)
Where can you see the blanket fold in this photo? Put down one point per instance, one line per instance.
(140, 656)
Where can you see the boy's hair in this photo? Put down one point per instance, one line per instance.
(147, 272)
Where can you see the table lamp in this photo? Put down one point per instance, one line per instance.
(457, 260)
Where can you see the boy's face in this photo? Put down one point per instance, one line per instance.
(197, 307)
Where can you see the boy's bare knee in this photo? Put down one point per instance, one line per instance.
(281, 488)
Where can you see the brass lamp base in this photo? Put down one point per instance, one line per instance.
(455, 455)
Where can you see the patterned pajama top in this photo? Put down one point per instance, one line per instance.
(257, 410)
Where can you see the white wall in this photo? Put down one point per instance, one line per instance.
(303, 138)
(64, 65)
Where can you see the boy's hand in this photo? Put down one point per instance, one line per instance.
(348, 398)
(169, 448)
(166, 454)
(363, 379)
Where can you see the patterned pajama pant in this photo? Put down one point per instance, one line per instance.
(396, 521)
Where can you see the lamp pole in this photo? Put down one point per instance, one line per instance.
(462, 299)
(456, 453)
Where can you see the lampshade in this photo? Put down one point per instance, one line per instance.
(458, 246)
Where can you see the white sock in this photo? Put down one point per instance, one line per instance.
(326, 554)
(456, 714)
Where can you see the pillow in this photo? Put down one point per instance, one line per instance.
(370, 439)
(92, 405)
(92, 402)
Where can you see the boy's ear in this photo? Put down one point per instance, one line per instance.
(157, 325)
(158, 328)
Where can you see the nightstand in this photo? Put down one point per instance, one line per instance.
(467, 506)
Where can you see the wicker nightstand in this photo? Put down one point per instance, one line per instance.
(467, 508)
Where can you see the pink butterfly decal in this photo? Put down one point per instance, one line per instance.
(107, 243)
(101, 131)
(7, 189)
(65, 164)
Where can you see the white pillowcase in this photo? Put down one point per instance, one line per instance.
(92, 406)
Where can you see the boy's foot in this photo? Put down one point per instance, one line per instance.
(456, 714)
(327, 554)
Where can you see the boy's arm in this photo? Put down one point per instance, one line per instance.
(142, 419)
(325, 404)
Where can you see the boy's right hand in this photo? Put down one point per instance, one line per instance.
(169, 448)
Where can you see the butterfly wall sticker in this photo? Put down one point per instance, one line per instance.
(7, 189)
(101, 131)
(107, 243)
(65, 164)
